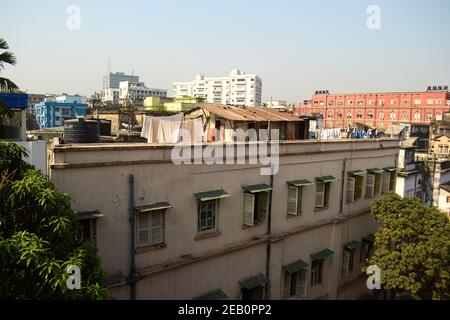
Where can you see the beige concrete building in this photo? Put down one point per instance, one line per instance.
(225, 231)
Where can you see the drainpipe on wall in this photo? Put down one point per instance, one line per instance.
(269, 231)
(133, 276)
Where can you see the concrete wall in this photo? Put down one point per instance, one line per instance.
(37, 154)
(96, 176)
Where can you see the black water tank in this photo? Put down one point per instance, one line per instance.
(105, 127)
(81, 131)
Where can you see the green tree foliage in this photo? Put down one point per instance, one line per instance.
(39, 238)
(412, 248)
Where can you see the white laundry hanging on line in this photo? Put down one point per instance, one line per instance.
(195, 129)
(162, 129)
(169, 128)
(145, 126)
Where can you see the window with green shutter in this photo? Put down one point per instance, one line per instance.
(295, 200)
(323, 186)
(256, 204)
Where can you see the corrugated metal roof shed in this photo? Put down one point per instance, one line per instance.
(248, 114)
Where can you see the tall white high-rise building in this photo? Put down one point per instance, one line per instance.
(238, 88)
(112, 80)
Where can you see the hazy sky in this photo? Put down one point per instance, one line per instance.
(296, 47)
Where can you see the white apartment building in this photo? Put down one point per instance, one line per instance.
(224, 230)
(138, 92)
(65, 98)
(111, 95)
(238, 88)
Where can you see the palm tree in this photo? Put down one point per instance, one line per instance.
(6, 85)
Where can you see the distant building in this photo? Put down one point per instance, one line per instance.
(170, 105)
(276, 104)
(113, 80)
(238, 88)
(35, 98)
(378, 110)
(138, 92)
(220, 122)
(53, 113)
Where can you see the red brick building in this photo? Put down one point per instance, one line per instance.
(378, 110)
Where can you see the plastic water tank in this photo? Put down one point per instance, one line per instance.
(81, 131)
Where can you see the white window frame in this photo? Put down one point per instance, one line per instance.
(215, 210)
(348, 261)
(316, 273)
(295, 194)
(370, 185)
(301, 278)
(250, 200)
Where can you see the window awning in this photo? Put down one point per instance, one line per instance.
(322, 254)
(300, 183)
(215, 295)
(375, 171)
(369, 238)
(390, 169)
(356, 173)
(296, 266)
(326, 179)
(257, 188)
(211, 195)
(86, 215)
(154, 207)
(352, 245)
(253, 282)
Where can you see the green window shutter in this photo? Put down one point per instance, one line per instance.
(370, 185)
(320, 195)
(351, 189)
(292, 200)
(249, 206)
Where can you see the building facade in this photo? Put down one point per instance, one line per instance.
(53, 113)
(224, 230)
(411, 177)
(238, 88)
(378, 110)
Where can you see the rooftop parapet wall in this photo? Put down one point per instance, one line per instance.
(111, 154)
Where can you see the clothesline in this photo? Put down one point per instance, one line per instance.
(172, 129)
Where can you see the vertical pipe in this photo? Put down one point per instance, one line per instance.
(269, 243)
(133, 276)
